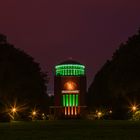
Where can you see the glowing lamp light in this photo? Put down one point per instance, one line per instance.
(110, 111)
(99, 114)
(70, 85)
(34, 113)
(14, 110)
(134, 108)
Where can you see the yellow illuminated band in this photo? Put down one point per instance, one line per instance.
(70, 91)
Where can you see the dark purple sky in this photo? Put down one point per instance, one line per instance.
(51, 31)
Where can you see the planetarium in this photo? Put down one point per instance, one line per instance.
(69, 89)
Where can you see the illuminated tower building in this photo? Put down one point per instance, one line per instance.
(69, 89)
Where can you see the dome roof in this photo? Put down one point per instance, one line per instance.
(70, 68)
(69, 62)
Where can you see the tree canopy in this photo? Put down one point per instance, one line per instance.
(117, 84)
(21, 78)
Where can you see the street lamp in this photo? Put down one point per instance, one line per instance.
(99, 114)
(134, 108)
(34, 114)
(13, 111)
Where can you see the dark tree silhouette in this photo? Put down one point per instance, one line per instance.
(117, 84)
(21, 77)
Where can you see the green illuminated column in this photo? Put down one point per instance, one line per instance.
(76, 99)
(71, 71)
(67, 100)
(68, 72)
(73, 100)
(57, 72)
(82, 72)
(74, 72)
(78, 72)
(70, 100)
(64, 101)
(62, 72)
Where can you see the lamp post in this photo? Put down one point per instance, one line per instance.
(99, 114)
(33, 114)
(13, 111)
(134, 108)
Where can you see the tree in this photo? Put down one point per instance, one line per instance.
(21, 78)
(117, 84)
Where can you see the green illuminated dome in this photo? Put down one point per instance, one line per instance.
(70, 68)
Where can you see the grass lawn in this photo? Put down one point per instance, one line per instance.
(71, 130)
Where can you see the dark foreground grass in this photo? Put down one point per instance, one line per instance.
(70, 130)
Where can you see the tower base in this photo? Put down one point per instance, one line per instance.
(59, 112)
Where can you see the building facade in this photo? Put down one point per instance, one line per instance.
(69, 89)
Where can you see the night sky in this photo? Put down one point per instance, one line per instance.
(51, 31)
